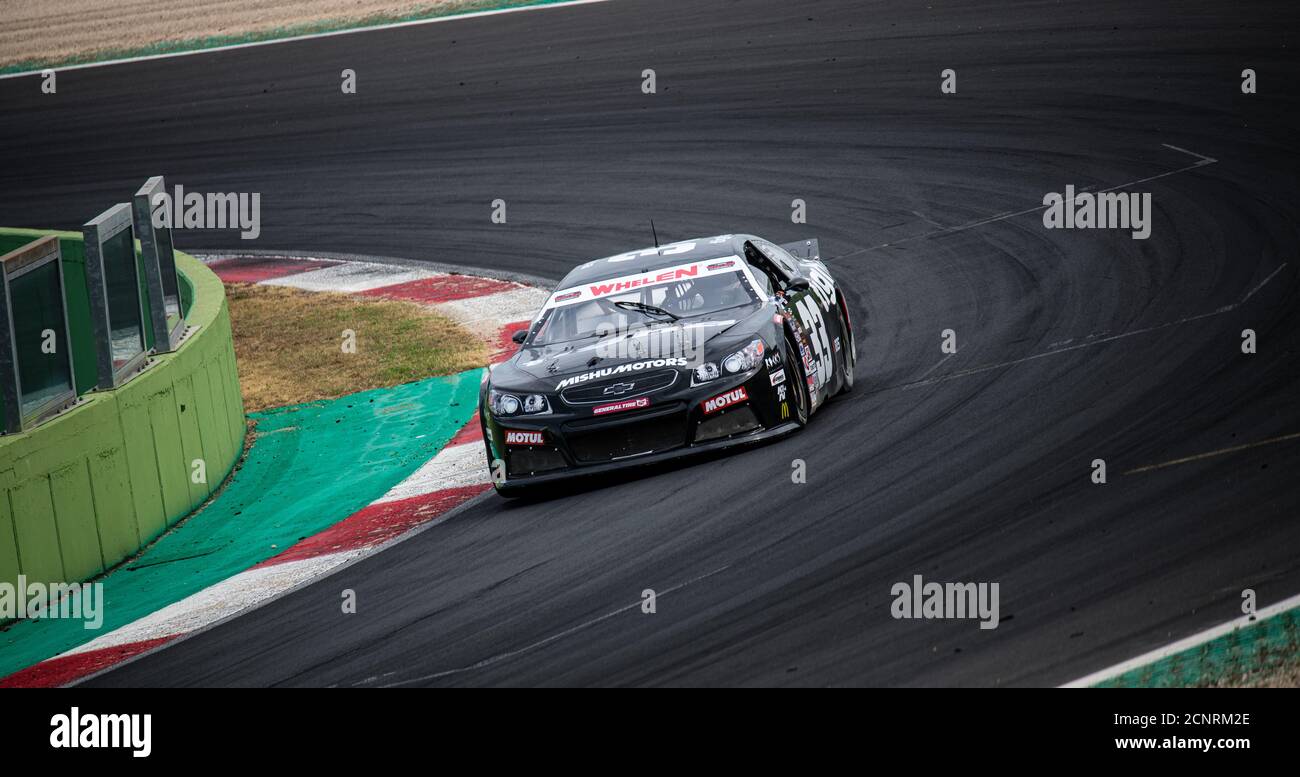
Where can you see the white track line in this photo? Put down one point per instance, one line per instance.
(1215, 453)
(1202, 161)
(1099, 341)
(937, 365)
(1184, 644)
(1262, 284)
(1013, 362)
(542, 642)
(311, 36)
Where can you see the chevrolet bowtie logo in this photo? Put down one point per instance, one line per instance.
(619, 388)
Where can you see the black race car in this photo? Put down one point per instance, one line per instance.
(655, 354)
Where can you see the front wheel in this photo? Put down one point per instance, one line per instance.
(798, 383)
(496, 467)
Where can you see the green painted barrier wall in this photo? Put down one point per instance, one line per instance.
(85, 490)
(312, 466)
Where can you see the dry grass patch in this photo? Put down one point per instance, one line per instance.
(1285, 674)
(289, 344)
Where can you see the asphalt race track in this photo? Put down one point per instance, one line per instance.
(1073, 344)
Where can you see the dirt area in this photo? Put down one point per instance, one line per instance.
(289, 344)
(54, 32)
(1283, 675)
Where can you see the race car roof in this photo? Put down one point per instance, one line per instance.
(648, 259)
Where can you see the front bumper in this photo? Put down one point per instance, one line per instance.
(577, 441)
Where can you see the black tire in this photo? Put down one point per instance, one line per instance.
(507, 491)
(848, 358)
(511, 492)
(798, 385)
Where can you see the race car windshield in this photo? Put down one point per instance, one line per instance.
(683, 299)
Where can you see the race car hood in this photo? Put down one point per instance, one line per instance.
(543, 367)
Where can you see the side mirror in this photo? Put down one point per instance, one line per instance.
(796, 285)
(520, 336)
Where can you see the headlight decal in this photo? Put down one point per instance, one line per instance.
(506, 404)
(745, 359)
(704, 373)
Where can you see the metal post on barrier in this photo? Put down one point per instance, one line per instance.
(155, 235)
(117, 306)
(37, 378)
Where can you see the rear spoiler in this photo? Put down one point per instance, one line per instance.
(805, 249)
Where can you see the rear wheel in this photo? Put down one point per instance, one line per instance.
(847, 358)
(798, 383)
